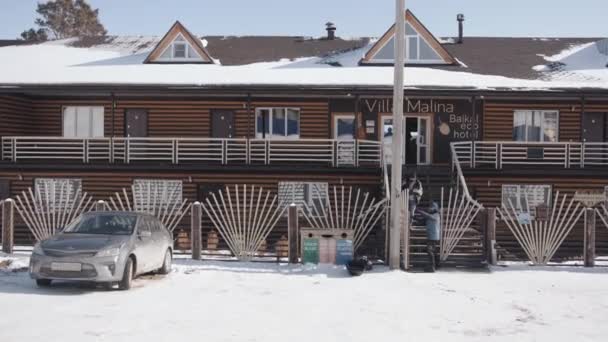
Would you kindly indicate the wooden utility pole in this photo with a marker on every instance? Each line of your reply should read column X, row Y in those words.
column 196, row 231
column 397, row 145
column 589, row 254
column 8, row 225
column 293, row 233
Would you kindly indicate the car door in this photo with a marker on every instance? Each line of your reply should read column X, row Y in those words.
column 143, row 243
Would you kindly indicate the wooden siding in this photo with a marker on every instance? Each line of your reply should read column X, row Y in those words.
column 102, row 185
column 14, row 111
column 488, row 191
column 166, row 117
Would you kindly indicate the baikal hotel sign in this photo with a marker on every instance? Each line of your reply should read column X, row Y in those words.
column 453, row 119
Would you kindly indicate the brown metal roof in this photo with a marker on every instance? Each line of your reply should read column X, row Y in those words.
column 509, row 57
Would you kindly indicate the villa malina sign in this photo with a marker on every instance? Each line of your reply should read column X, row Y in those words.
column 453, row 120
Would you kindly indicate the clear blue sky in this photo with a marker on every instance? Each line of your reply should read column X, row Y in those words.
column 565, row 18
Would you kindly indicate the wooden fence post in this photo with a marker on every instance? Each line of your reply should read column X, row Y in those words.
column 490, row 222
column 293, row 231
column 196, row 231
column 100, row 205
column 589, row 253
column 8, row 225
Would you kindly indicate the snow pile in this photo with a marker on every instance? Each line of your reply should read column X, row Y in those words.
column 234, row 301
column 586, row 62
column 13, row 263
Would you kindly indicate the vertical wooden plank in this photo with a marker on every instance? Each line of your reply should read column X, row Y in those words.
column 293, row 233
column 8, row 222
column 490, row 219
column 589, row 237
column 196, row 233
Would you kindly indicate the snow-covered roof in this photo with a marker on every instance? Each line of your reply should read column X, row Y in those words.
column 309, row 62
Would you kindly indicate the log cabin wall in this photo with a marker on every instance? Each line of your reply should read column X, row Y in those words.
column 168, row 117
column 488, row 191
column 14, row 111
column 498, row 117
column 101, row 185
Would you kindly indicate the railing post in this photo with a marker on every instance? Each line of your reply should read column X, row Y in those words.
column 248, row 151
column 14, row 143
column 567, row 155
column 196, row 230
column 490, row 224
column 583, row 155
column 85, row 154
column 8, row 225
column 357, row 147
column 498, row 156
column 111, row 150
column 473, row 145
column 127, row 147
column 334, row 156
column 589, row 253
column 224, row 152
column 293, row 232
column 175, row 151
column 267, row 146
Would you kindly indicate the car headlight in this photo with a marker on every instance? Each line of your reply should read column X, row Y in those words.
column 37, row 249
column 110, row 252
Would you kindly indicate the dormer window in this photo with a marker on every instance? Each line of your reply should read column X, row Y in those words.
column 421, row 47
column 179, row 46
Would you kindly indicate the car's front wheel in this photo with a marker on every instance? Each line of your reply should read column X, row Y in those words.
column 127, row 276
column 166, row 269
column 43, row 282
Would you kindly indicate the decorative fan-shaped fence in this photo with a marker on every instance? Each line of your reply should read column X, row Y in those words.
column 346, row 209
column 154, row 199
column 244, row 216
column 46, row 211
column 456, row 220
column 540, row 239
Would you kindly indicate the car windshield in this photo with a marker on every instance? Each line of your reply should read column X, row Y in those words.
column 110, row 224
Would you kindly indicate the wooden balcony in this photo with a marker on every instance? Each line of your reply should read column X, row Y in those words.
column 334, row 153
column 509, row 154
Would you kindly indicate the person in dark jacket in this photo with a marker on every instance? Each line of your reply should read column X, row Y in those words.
column 433, row 235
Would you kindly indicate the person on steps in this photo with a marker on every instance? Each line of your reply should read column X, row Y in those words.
column 433, row 235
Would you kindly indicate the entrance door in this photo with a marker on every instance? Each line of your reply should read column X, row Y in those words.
column 594, row 127
column 344, row 133
column 136, row 123
column 222, row 124
column 416, row 149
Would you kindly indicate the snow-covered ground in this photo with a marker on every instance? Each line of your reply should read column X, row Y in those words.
column 229, row 301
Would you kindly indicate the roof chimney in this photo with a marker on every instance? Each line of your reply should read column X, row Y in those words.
column 331, row 31
column 460, row 18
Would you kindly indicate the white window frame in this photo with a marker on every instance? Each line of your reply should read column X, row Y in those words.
column 91, row 111
column 153, row 184
column 542, row 123
column 53, row 185
column 188, row 47
column 337, row 117
column 271, row 110
column 521, row 207
column 418, row 60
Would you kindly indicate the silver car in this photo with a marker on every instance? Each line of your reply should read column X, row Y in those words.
column 108, row 247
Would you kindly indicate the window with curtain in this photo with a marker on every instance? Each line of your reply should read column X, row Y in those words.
column 536, row 126
column 277, row 123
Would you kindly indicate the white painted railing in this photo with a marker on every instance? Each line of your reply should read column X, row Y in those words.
column 338, row 153
column 501, row 154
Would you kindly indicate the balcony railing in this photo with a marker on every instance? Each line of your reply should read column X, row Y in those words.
column 337, row 153
column 504, row 154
